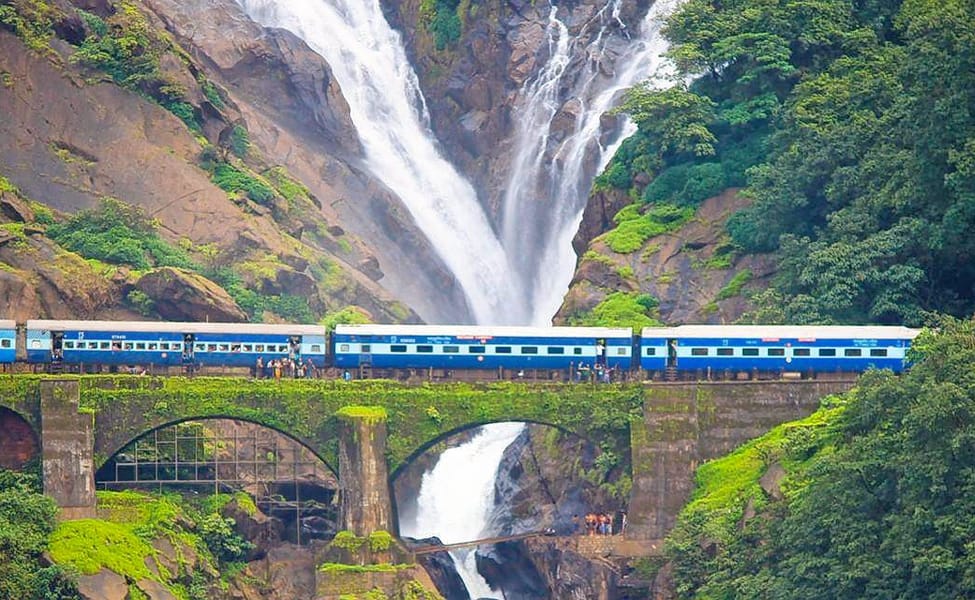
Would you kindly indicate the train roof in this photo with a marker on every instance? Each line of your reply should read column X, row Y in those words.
column 877, row 332
column 175, row 326
column 484, row 331
column 8, row 324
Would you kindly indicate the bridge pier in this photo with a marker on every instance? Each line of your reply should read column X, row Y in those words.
column 363, row 475
column 686, row 424
column 67, row 440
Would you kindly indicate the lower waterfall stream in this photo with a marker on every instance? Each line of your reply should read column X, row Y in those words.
column 456, row 498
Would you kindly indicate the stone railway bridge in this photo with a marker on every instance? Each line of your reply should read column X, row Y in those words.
column 75, row 424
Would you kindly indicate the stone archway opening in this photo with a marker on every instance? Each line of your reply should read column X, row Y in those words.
column 547, row 480
column 289, row 484
column 19, row 445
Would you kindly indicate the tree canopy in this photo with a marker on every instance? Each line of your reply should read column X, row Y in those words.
column 877, row 504
column 851, row 124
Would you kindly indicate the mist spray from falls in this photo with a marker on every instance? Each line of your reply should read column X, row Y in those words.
column 389, row 112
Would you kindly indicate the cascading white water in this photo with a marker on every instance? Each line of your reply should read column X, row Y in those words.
column 542, row 205
column 550, row 177
column 387, row 107
column 469, row 469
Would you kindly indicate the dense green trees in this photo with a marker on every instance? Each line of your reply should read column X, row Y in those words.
column 877, row 505
column 855, row 123
column 26, row 523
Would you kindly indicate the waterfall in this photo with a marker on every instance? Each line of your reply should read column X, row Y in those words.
column 550, row 178
column 387, row 107
column 457, row 496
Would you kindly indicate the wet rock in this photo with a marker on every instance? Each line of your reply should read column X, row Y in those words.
column 13, row 208
column 180, row 295
column 441, row 569
column 103, row 585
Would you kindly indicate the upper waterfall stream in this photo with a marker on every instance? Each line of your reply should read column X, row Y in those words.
column 389, row 112
column 520, row 275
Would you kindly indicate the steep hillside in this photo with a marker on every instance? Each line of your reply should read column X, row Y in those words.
column 236, row 144
column 848, row 125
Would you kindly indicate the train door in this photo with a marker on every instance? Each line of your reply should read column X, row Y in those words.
column 601, row 352
column 188, row 348
column 57, row 347
column 294, row 347
column 672, row 353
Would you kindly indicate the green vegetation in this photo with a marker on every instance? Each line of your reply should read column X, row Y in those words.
column 376, row 568
column 369, row 414
column 31, row 20
column 380, row 541
column 442, row 19
column 876, row 501
column 122, row 541
column 350, row 315
column 734, row 286
column 621, row 309
column 849, row 124
column 118, row 233
column 26, row 523
column 240, row 141
column 127, row 48
column 634, row 226
column 232, row 179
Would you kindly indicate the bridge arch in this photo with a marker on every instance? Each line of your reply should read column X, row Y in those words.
column 106, row 454
column 19, row 442
column 447, row 434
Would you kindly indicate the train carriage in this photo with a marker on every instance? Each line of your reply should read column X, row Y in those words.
column 170, row 343
column 776, row 348
column 478, row 347
column 8, row 341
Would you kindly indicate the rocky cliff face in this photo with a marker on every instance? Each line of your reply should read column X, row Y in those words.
column 71, row 136
column 473, row 86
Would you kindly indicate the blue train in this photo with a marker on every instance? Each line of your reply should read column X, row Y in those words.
column 684, row 351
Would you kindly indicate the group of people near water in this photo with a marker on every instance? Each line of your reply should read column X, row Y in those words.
column 599, row 524
column 284, row 367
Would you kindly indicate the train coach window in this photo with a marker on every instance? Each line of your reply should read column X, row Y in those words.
column 475, row 349
column 776, row 351
column 316, row 348
column 201, row 347
column 651, row 352
column 451, row 349
column 726, row 351
column 801, row 352
column 67, row 345
column 152, row 346
column 878, row 352
column 248, row 347
column 749, row 351
column 366, row 348
column 140, row 345
column 223, row 347
column 555, row 350
column 577, row 350
column 621, row 351
column 127, row 346
column 211, row 347
column 502, row 350
column 165, row 346
column 97, row 345
column 529, row 350
column 258, row 347
column 827, row 351
column 397, row 348
column 699, row 351
column 425, row 349
column 853, row 352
